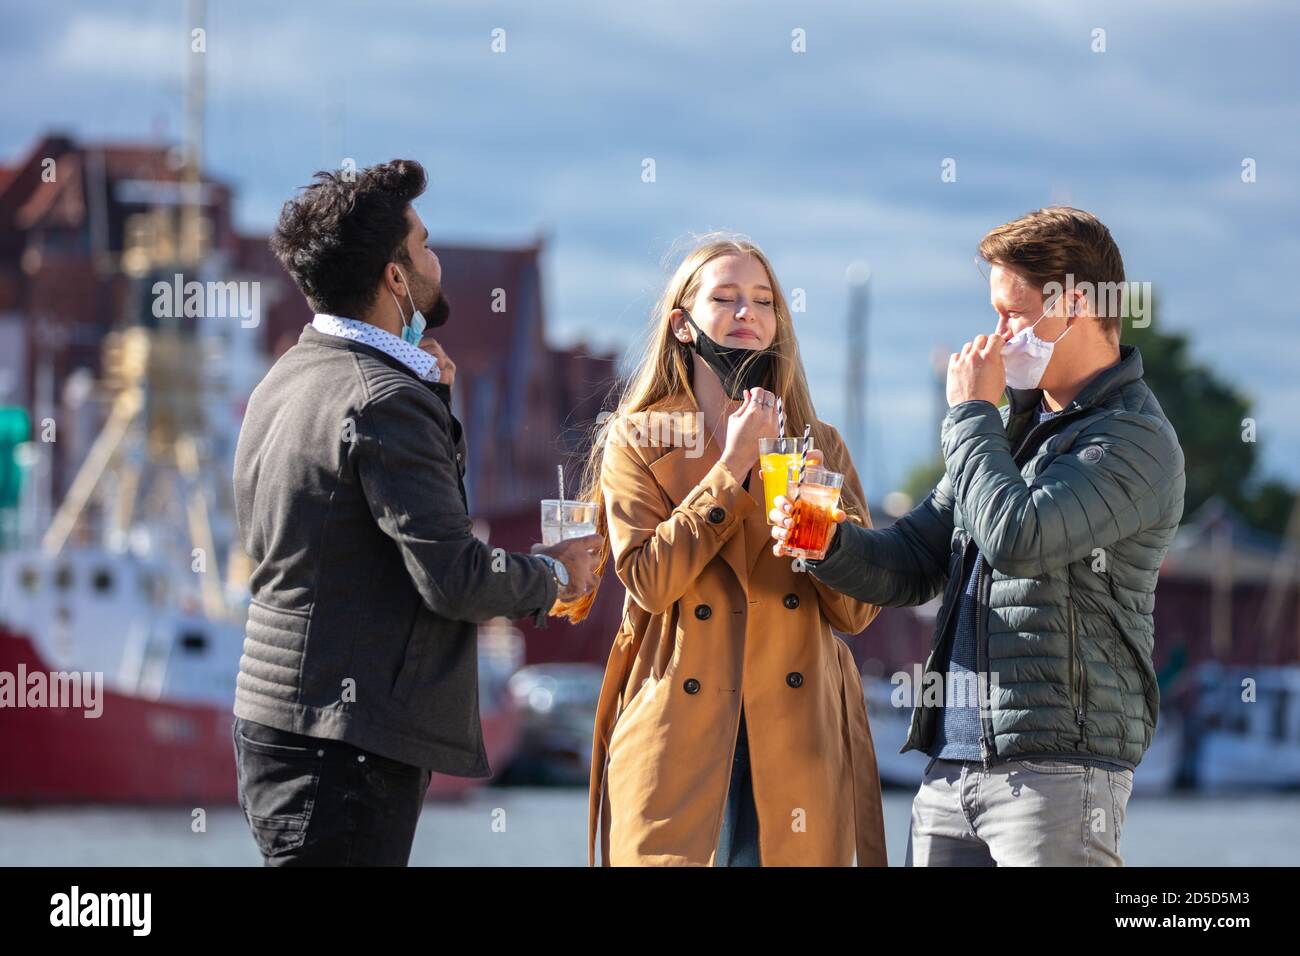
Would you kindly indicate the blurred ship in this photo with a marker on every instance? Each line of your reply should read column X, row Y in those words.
column 135, row 580
column 138, row 582
column 117, row 545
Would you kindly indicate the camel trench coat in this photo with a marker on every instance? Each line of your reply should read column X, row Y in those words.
column 713, row 617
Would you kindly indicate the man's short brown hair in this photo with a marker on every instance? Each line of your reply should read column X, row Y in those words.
column 1049, row 244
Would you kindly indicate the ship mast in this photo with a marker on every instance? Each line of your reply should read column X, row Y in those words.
column 148, row 449
column 192, row 223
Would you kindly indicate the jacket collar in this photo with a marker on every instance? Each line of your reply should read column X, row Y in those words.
column 311, row 337
column 314, row 336
column 1109, row 380
column 415, row 358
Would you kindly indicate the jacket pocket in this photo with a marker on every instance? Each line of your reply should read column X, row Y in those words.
column 417, row 651
column 630, row 719
column 1150, row 690
column 1048, row 765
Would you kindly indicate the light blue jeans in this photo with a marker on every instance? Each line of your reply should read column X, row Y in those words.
column 1018, row 813
column 738, row 839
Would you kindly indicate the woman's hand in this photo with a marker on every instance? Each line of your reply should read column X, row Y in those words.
column 753, row 420
column 782, row 507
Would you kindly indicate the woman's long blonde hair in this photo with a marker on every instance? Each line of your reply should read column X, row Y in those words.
column 665, row 372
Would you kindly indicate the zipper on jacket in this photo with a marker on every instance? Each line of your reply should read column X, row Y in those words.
column 942, row 631
column 983, row 588
column 1081, row 706
column 1074, row 680
column 961, row 577
column 1065, row 415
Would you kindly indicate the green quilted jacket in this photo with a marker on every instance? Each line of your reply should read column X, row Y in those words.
column 1070, row 520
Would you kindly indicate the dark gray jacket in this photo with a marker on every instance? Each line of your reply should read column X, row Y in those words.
column 367, row 581
column 1071, row 519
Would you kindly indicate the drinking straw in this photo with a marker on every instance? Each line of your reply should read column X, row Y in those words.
column 803, row 455
column 780, row 418
column 559, row 471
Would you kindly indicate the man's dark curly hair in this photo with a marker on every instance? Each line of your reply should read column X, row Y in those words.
column 337, row 235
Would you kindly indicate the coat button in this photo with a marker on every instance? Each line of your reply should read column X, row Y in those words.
column 703, row 612
column 692, row 686
column 794, row 679
column 791, row 601
column 717, row 514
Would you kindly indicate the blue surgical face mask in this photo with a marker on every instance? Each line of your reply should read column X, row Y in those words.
column 413, row 331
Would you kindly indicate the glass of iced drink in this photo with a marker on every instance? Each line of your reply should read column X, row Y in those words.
column 562, row 520
column 775, row 458
column 813, row 501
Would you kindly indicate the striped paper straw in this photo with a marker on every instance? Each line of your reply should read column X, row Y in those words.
column 780, row 419
column 803, row 455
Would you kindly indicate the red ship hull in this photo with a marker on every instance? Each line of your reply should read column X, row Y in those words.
column 147, row 751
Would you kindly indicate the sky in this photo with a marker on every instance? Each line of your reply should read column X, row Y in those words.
column 824, row 157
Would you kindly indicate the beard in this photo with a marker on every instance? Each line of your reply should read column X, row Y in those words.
column 438, row 311
column 426, row 295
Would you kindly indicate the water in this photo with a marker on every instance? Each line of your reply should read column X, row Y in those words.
column 548, row 827
column 564, row 519
column 553, row 532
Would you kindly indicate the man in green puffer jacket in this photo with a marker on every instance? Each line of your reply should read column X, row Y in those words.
column 1045, row 536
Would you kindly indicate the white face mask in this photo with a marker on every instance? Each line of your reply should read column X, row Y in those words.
column 1025, row 355
column 413, row 332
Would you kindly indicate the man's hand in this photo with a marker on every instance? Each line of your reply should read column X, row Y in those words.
column 977, row 372
column 579, row 556
column 783, row 507
column 779, row 517
column 446, row 367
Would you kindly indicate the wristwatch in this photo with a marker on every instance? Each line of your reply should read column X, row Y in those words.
column 558, row 570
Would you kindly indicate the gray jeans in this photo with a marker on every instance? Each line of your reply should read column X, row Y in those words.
column 1018, row 813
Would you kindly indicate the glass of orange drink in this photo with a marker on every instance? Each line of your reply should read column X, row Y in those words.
column 812, row 517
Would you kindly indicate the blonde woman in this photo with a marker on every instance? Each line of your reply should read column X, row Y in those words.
column 731, row 727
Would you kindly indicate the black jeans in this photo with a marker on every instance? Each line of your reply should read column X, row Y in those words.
column 316, row 802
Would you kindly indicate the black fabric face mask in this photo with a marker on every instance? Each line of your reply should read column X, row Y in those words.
column 737, row 369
